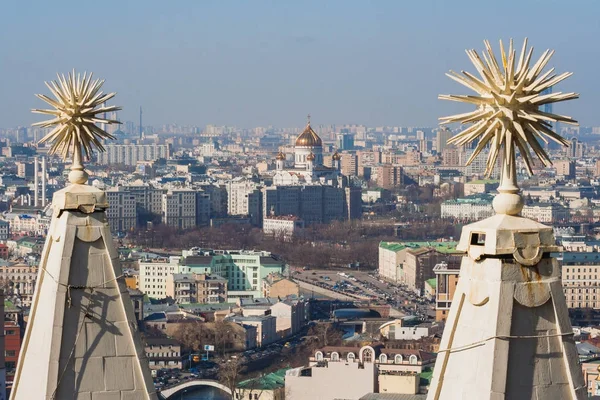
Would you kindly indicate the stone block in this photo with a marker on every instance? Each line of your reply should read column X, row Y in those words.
column 100, row 337
column 83, row 396
column 106, row 395
column 118, row 373
column 124, row 344
column 88, row 374
column 135, row 395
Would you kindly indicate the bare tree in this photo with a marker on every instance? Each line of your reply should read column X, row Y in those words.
column 230, row 374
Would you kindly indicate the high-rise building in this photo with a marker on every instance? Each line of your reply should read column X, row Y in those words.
column 130, row 154
column 349, row 164
column 388, row 176
column 345, row 141
column 121, row 213
column 441, row 139
column 179, row 208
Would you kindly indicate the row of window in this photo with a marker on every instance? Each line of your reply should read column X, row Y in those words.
column 367, row 357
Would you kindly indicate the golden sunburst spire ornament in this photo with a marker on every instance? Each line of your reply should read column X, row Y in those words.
column 508, row 115
column 77, row 103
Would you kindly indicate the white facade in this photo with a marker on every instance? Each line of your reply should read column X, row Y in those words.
column 467, row 210
column 130, row 154
column 285, row 226
column 238, row 196
column 389, row 261
column 301, row 154
column 546, row 212
column 153, row 276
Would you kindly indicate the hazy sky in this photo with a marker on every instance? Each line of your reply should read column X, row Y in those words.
column 255, row 63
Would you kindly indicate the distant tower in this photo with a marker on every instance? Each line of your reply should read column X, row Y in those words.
column 36, row 183
column 103, row 124
column 280, row 161
column 141, row 126
column 310, row 162
column 44, row 181
column 336, row 158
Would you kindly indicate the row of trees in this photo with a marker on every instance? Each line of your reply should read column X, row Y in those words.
column 336, row 244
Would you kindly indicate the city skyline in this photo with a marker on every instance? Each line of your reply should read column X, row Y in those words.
column 270, row 64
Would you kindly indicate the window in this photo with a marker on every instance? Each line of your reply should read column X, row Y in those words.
column 398, row 359
column 413, row 359
column 335, row 356
column 319, row 356
column 350, row 357
column 383, row 359
column 367, row 355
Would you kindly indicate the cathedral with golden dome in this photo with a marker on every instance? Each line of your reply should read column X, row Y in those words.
column 308, row 163
column 306, row 144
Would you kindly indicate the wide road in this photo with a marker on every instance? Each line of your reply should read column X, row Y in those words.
column 361, row 283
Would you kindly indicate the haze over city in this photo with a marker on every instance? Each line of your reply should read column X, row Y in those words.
column 276, row 205
column 252, row 64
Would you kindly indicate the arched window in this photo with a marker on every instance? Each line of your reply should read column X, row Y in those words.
column 350, row 357
column 412, row 359
column 319, row 356
column 335, row 356
column 383, row 359
column 367, row 355
column 398, row 359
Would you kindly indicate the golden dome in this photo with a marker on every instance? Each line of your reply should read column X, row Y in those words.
column 310, row 157
column 336, row 156
column 280, row 156
column 309, row 138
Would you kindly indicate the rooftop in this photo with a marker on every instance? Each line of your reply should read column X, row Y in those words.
column 274, row 380
column 442, row 247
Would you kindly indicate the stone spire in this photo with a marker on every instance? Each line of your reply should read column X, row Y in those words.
column 508, row 334
column 82, row 340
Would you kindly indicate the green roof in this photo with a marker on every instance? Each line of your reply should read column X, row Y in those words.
column 426, row 376
column 432, row 282
column 393, row 246
column 442, row 247
column 272, row 381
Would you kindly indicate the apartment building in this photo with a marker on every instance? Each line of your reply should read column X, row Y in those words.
column 275, row 285
column 243, row 270
column 122, row 210
column 545, row 212
column 21, row 279
column 153, row 275
column 163, row 353
column 412, row 263
column 314, row 203
column 179, row 208
column 131, row 154
column 471, row 208
column 266, row 327
column 282, row 226
column 196, row 288
column 337, row 372
column 581, row 279
column 446, row 275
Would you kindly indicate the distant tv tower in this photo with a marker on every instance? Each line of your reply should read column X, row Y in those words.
column 141, row 126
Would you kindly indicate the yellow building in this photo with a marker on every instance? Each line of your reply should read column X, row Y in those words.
column 276, row 285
